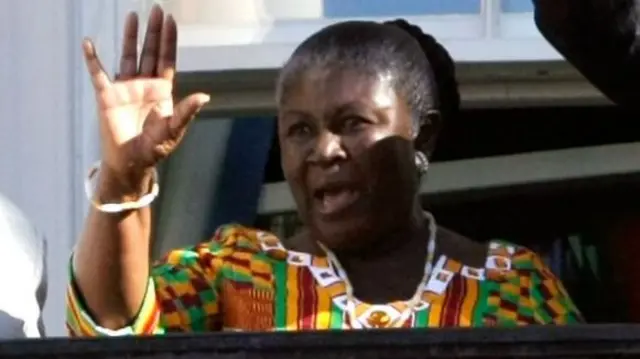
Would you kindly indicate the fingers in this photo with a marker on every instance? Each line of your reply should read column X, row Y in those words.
column 99, row 77
column 151, row 46
column 168, row 49
column 129, row 58
column 186, row 110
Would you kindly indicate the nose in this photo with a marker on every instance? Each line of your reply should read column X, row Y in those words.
column 328, row 149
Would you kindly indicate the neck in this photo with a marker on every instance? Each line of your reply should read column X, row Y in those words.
column 398, row 239
column 401, row 253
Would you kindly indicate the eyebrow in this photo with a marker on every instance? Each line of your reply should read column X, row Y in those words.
column 345, row 107
column 336, row 111
column 296, row 112
column 360, row 106
column 286, row 116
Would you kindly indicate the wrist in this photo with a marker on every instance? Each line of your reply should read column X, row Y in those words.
column 113, row 187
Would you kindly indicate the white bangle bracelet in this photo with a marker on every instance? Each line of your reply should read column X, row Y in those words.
column 144, row 201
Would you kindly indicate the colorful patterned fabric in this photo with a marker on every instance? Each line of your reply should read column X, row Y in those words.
column 244, row 279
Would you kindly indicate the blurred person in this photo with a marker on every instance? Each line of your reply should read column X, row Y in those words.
column 360, row 105
column 24, row 275
column 600, row 38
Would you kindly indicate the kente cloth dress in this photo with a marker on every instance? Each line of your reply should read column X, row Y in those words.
column 245, row 280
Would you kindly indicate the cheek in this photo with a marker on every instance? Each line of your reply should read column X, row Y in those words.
column 292, row 162
column 373, row 150
column 361, row 146
column 390, row 164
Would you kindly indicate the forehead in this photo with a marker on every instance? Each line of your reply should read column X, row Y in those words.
column 320, row 88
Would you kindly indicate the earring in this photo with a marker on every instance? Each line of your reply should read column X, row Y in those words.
column 422, row 162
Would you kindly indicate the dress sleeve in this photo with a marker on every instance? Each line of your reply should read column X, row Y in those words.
column 600, row 39
column 182, row 294
column 551, row 301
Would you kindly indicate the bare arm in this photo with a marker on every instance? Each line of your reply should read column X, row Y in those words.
column 600, row 38
column 139, row 126
column 112, row 257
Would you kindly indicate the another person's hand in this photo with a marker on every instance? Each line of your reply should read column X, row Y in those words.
column 139, row 124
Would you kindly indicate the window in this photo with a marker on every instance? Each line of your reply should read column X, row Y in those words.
column 514, row 6
column 374, row 8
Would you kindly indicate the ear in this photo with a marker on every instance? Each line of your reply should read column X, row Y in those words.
column 428, row 132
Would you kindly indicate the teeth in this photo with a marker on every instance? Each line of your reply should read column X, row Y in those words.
column 336, row 198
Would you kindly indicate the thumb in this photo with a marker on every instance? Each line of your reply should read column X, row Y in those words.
column 186, row 110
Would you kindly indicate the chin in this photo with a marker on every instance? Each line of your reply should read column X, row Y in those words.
column 346, row 233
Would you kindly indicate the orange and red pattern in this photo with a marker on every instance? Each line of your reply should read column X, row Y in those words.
column 244, row 279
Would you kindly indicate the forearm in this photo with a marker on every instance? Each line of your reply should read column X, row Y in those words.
column 111, row 259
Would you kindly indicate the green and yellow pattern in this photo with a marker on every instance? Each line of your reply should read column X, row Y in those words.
column 244, row 279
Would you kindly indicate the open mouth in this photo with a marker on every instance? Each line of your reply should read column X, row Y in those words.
column 335, row 199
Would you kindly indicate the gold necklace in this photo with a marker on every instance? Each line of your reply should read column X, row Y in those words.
column 411, row 304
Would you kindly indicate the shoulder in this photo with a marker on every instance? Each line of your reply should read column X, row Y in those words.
column 231, row 240
column 515, row 263
column 506, row 255
column 532, row 291
column 14, row 223
column 22, row 260
column 20, row 241
column 528, row 266
column 237, row 238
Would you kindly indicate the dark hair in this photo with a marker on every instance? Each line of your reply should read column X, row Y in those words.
column 421, row 68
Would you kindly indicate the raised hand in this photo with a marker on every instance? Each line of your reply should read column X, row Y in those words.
column 139, row 124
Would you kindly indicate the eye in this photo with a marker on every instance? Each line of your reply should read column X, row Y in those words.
column 354, row 123
column 299, row 129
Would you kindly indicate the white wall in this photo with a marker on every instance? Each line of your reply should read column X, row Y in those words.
column 47, row 122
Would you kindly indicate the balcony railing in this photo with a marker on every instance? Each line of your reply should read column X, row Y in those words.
column 586, row 341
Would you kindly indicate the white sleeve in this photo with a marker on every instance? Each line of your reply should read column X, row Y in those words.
column 23, row 275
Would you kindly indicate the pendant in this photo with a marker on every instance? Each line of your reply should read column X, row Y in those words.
column 379, row 316
column 378, row 319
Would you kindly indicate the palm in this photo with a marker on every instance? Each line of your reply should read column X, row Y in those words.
column 128, row 104
column 138, row 122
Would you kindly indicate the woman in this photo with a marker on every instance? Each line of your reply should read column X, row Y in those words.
column 359, row 108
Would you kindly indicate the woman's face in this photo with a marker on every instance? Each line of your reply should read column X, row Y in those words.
column 347, row 154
